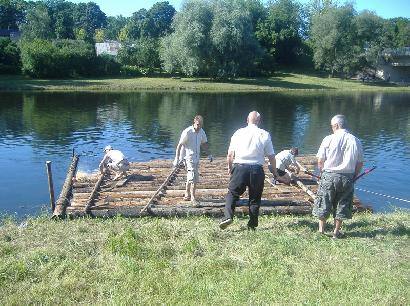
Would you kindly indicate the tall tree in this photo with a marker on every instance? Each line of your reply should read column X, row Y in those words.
column 281, row 32
column 11, row 13
column 334, row 40
column 114, row 26
column 38, row 23
column 212, row 38
column 89, row 17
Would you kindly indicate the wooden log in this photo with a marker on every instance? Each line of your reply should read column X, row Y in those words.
column 63, row 201
column 305, row 189
column 50, row 185
column 91, row 198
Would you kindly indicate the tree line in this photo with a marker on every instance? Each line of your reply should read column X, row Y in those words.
column 214, row 38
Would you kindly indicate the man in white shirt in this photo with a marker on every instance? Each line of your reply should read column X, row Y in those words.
column 246, row 156
column 114, row 160
column 340, row 158
column 191, row 141
column 286, row 164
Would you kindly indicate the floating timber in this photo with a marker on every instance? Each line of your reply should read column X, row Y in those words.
column 156, row 188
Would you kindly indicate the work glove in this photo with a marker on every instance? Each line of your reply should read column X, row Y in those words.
column 210, row 158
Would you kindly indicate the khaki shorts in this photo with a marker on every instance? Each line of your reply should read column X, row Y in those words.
column 335, row 195
column 122, row 166
column 192, row 175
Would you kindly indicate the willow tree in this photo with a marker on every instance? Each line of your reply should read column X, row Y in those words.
column 214, row 38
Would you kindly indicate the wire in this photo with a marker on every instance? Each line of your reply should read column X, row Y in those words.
column 383, row 195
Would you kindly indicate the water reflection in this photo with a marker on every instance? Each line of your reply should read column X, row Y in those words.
column 35, row 127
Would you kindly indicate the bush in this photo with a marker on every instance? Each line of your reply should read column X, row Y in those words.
column 60, row 58
column 107, row 65
column 9, row 57
column 128, row 70
column 142, row 53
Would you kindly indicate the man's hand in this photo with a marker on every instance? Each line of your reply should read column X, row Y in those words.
column 210, row 158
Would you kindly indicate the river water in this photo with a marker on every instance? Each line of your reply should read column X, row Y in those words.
column 36, row 127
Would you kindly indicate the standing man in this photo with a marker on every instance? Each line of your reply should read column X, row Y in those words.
column 246, row 156
column 192, row 138
column 115, row 161
column 340, row 159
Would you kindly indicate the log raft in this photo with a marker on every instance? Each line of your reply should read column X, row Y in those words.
column 155, row 188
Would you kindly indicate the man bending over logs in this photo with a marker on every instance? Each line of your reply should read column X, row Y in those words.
column 115, row 161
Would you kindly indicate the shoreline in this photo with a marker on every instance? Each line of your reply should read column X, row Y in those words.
column 279, row 82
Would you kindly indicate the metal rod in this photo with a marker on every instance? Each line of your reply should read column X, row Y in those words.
column 50, row 185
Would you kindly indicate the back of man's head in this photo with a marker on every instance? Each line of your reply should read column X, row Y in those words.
column 340, row 120
column 254, row 118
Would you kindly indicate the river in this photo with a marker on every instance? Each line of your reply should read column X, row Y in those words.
column 36, row 127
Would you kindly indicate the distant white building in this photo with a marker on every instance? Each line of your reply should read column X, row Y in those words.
column 13, row 34
column 109, row 47
column 395, row 66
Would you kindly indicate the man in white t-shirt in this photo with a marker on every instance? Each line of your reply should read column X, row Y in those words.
column 192, row 139
column 115, row 161
column 340, row 158
column 246, row 156
column 286, row 164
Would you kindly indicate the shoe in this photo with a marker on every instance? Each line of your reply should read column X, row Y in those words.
column 187, row 198
column 225, row 223
column 338, row 235
column 251, row 228
column 195, row 203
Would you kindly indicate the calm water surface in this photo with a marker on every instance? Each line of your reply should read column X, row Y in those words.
column 35, row 127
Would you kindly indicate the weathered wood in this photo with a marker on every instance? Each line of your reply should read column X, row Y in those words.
column 305, row 189
column 63, row 199
column 50, row 185
column 91, row 198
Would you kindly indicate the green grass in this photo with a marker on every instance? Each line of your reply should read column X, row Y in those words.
column 280, row 81
column 190, row 261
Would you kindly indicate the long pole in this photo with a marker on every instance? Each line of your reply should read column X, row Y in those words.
column 50, row 185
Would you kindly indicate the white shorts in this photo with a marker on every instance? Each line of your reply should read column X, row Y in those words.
column 192, row 175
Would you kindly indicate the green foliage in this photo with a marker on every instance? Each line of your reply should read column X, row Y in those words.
column 11, row 13
column 38, row 23
column 212, row 38
column 142, row 53
column 281, row 31
column 334, row 40
column 114, row 26
column 9, row 57
column 65, row 58
column 89, row 17
column 99, row 36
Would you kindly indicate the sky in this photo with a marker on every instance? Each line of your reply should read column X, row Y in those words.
column 383, row 8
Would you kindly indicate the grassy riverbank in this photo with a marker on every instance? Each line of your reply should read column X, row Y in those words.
column 191, row 261
column 278, row 82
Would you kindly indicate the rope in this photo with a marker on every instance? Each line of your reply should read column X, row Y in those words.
column 383, row 195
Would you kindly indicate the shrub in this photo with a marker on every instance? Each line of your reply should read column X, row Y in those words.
column 9, row 57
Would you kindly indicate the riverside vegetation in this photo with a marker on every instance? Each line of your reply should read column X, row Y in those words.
column 191, row 261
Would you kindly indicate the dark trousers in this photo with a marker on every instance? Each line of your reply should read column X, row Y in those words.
column 242, row 176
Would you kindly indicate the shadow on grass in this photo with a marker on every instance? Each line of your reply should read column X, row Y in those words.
column 274, row 81
column 358, row 229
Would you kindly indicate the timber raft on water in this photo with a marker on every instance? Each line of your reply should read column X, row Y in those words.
column 155, row 188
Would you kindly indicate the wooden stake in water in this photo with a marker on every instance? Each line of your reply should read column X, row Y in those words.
column 50, row 185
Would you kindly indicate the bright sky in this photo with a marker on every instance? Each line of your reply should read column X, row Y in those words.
column 383, row 8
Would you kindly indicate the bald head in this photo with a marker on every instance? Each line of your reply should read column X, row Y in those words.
column 254, row 118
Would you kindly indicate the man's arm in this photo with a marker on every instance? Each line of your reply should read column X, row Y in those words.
column 103, row 162
column 358, row 168
column 320, row 164
column 272, row 162
column 205, row 147
column 177, row 153
column 229, row 158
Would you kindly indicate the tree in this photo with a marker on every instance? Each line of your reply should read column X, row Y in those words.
column 38, row 23
column 142, row 53
column 280, row 33
column 89, row 17
column 334, row 40
column 11, row 13
column 61, row 14
column 212, row 38
column 114, row 26
column 9, row 56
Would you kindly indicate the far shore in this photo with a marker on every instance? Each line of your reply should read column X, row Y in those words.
column 279, row 82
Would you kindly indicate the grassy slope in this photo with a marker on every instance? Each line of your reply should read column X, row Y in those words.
column 191, row 261
column 278, row 82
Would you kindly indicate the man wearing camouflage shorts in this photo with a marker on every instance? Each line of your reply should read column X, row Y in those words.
column 340, row 159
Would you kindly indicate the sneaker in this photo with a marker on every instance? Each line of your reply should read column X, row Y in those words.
column 225, row 223
column 195, row 203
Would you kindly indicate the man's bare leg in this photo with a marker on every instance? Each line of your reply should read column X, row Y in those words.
column 193, row 189
column 322, row 225
column 285, row 179
column 187, row 191
column 338, row 226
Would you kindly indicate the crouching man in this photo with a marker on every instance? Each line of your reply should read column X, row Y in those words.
column 115, row 161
